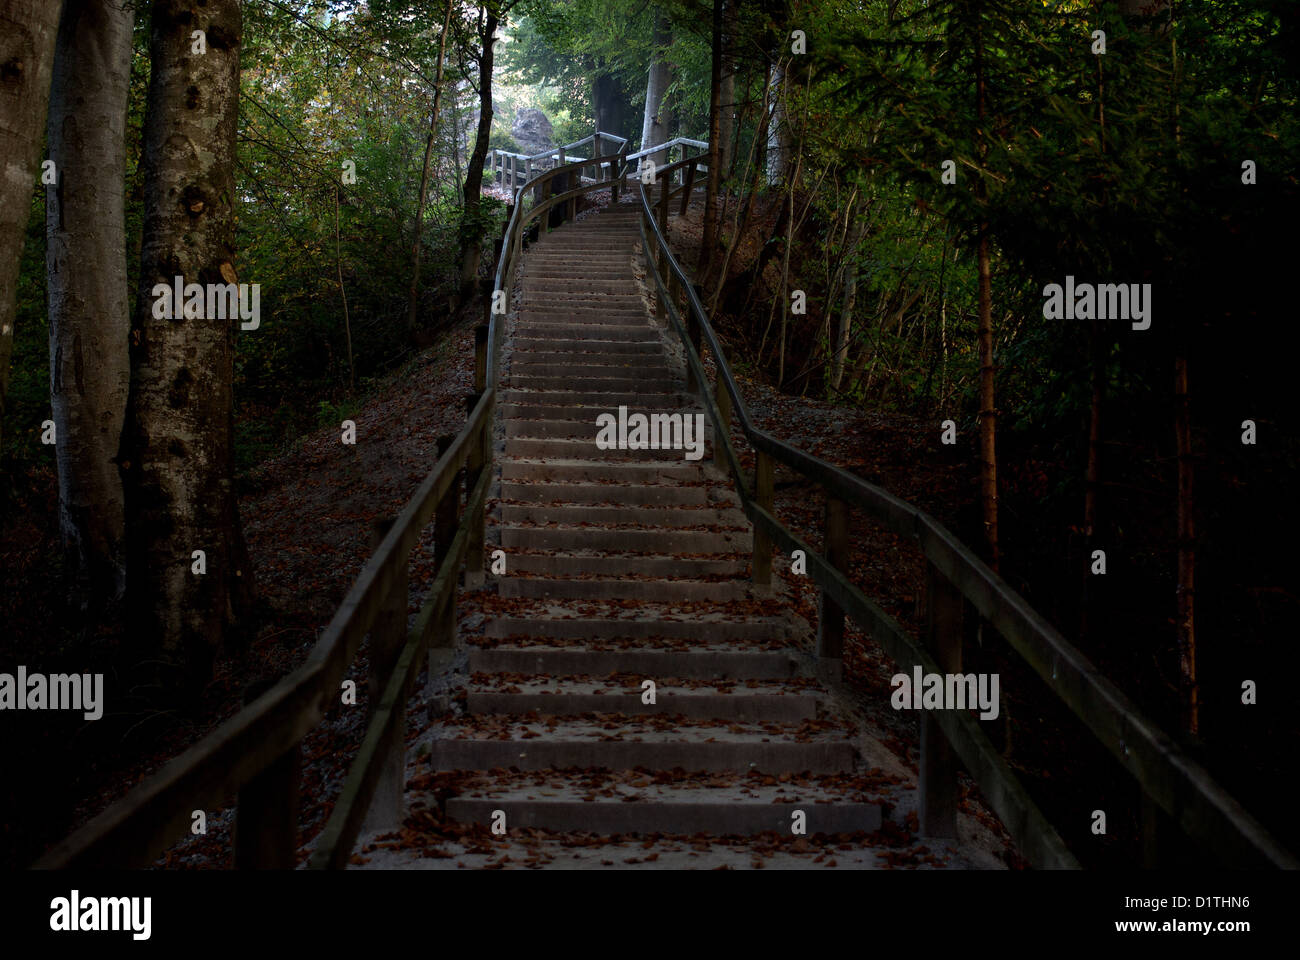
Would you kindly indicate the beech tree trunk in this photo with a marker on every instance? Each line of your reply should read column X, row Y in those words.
column 1186, row 591
column 987, row 410
column 654, row 126
column 86, row 274
column 413, row 295
column 780, row 143
column 727, row 91
column 840, row 342
column 27, row 32
column 177, row 446
column 709, row 238
column 609, row 104
column 471, row 232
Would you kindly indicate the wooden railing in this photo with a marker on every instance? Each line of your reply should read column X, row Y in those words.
column 512, row 169
column 1170, row 779
column 256, row 754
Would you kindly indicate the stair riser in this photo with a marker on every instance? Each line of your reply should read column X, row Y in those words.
column 789, row 708
column 663, row 542
column 719, row 818
column 682, row 518
column 660, row 591
column 737, row 631
column 640, row 495
column 555, row 346
column 601, row 472
column 701, row 665
column 720, row 757
column 593, row 385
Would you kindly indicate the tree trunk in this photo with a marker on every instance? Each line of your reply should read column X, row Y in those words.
column 88, row 302
column 177, row 445
column 609, row 104
column 987, row 409
column 654, row 126
column 709, row 238
column 413, row 297
column 471, row 230
column 27, row 32
column 1188, row 688
column 1092, row 472
column 727, row 92
column 780, row 142
column 840, row 342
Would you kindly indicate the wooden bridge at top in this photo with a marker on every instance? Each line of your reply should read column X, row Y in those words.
column 583, row 529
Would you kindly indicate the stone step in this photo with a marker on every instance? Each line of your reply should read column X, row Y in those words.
column 586, row 427
column 539, row 256
column 582, row 413
column 590, row 237
column 629, row 333
column 563, row 294
column 702, row 631
column 640, row 494
column 714, row 661
column 678, row 518
column 578, row 564
column 610, row 270
column 601, row 365
column 555, row 346
column 612, row 289
column 688, row 813
column 574, row 696
column 628, row 540
column 613, row 386
column 622, row 588
column 691, row 747
column 601, row 471
column 586, row 449
column 592, row 311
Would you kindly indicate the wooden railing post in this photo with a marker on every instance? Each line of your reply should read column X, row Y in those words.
column 937, row 795
column 480, row 357
column 614, row 177
column 764, row 496
column 696, row 335
column 661, row 296
column 688, row 181
column 387, row 637
column 830, row 616
column 266, row 814
column 723, row 399
column 480, row 452
column 445, row 517
column 664, row 183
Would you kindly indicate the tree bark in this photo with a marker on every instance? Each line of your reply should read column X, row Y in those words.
column 27, row 33
column 413, row 297
column 840, row 342
column 727, row 91
column 1188, row 687
column 88, row 302
column 609, row 104
column 780, row 142
column 471, row 231
column 177, row 449
column 654, row 126
column 987, row 410
column 709, row 238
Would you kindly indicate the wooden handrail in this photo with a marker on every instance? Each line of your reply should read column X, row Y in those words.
column 1182, row 787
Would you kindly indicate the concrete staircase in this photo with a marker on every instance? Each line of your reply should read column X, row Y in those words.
column 625, row 567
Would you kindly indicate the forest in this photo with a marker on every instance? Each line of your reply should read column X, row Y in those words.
column 1040, row 253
